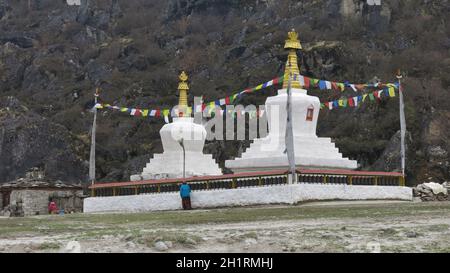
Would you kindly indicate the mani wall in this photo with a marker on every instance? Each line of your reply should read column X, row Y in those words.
column 35, row 201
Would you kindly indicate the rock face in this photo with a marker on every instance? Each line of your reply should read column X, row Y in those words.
column 390, row 160
column 28, row 140
column 53, row 56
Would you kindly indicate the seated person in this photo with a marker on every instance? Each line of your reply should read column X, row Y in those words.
column 52, row 208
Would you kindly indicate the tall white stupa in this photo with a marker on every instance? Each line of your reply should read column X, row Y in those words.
column 181, row 132
column 311, row 152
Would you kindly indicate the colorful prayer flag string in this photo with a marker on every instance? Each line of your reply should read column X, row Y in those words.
column 355, row 101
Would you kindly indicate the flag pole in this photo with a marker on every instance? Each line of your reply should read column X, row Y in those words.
column 402, row 122
column 93, row 132
column 289, row 135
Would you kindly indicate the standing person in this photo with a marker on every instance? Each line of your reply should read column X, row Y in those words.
column 185, row 193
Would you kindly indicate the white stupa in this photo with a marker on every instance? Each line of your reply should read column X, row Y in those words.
column 310, row 151
column 169, row 164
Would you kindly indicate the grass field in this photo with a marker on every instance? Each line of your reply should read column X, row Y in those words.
column 314, row 227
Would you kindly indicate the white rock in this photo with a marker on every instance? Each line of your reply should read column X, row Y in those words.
column 436, row 188
column 169, row 244
column 161, row 246
column 191, row 241
column 135, row 177
column 130, row 245
column 250, row 241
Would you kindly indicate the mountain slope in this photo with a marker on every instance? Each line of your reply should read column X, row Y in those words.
column 54, row 55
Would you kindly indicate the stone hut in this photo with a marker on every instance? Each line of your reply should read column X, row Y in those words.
column 32, row 194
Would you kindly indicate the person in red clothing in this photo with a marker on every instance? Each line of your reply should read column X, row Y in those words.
column 52, row 208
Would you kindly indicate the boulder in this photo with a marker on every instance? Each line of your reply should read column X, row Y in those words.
column 436, row 188
column 169, row 244
column 161, row 246
column 431, row 192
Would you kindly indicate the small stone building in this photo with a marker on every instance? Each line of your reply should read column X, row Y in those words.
column 32, row 194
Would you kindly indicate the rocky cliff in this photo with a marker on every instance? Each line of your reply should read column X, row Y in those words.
column 52, row 56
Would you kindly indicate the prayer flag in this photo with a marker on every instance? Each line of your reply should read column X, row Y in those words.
column 275, row 81
column 391, row 92
column 307, row 82
column 166, row 112
column 334, row 86
column 301, row 80
column 322, row 85
column 350, row 102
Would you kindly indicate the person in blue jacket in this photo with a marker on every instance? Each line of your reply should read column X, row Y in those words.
column 185, row 193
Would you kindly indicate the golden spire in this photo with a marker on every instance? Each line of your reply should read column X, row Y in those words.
column 183, row 87
column 292, row 44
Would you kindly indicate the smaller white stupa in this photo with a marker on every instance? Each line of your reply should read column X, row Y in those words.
column 182, row 132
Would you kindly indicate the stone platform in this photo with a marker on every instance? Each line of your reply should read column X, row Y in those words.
column 277, row 194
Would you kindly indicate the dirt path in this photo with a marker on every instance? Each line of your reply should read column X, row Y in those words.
column 313, row 227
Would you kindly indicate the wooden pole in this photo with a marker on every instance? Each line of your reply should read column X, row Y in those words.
column 289, row 134
column 402, row 123
column 93, row 133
